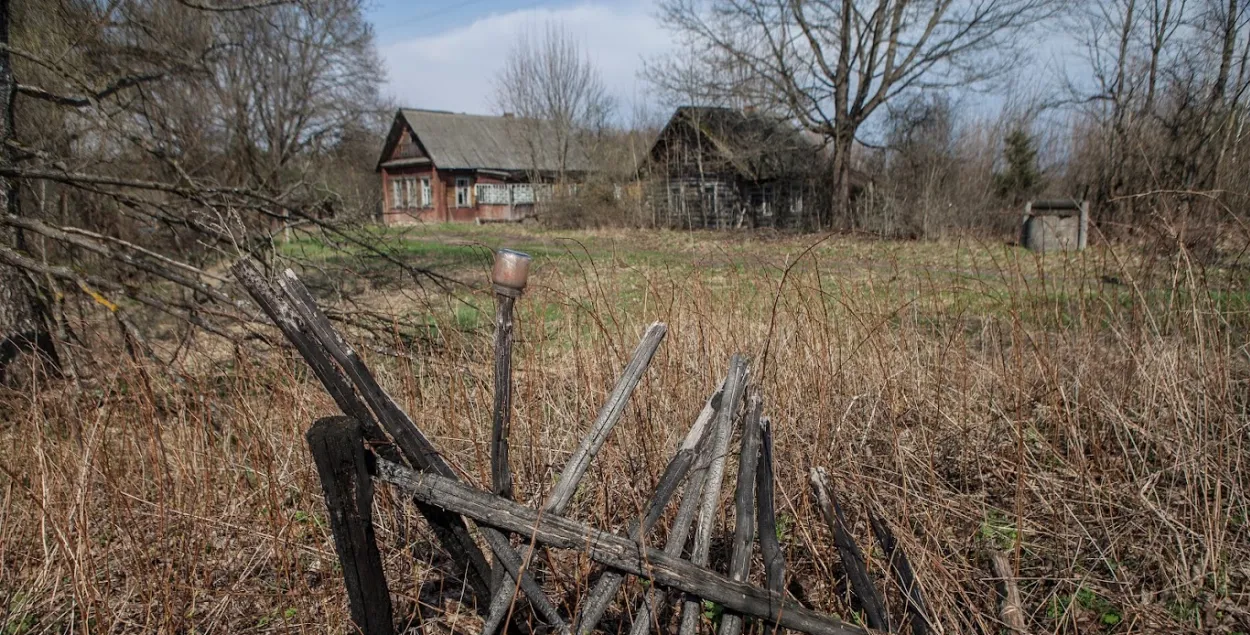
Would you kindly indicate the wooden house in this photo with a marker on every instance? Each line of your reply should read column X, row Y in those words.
column 440, row 166
column 719, row 168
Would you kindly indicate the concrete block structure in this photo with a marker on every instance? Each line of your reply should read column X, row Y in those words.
column 1055, row 225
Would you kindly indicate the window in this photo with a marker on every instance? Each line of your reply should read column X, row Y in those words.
column 492, row 194
column 462, row 192
column 522, row 194
column 427, row 197
column 710, row 199
column 677, row 197
column 404, row 192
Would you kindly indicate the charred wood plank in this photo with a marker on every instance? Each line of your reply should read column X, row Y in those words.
column 617, row 552
column 337, row 445
column 852, row 558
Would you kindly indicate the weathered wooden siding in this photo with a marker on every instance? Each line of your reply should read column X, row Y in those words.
column 691, row 188
column 692, row 185
column 406, row 147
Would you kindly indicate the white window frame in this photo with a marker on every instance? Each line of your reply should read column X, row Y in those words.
column 492, row 194
column 410, row 192
column 396, row 194
column 463, row 188
column 427, row 194
column 522, row 194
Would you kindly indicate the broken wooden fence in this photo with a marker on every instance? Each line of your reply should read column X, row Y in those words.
column 377, row 441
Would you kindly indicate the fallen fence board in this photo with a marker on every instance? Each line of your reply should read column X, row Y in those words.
column 617, row 552
column 852, row 557
column 449, row 529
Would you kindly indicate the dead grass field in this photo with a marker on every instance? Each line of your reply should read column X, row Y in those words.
column 1086, row 413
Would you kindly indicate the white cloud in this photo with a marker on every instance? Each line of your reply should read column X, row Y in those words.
column 454, row 70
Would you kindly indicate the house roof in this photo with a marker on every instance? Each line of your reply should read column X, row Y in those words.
column 759, row 146
column 455, row 141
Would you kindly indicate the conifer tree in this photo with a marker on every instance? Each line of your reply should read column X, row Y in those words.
column 1020, row 178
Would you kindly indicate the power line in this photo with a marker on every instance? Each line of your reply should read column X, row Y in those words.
column 431, row 14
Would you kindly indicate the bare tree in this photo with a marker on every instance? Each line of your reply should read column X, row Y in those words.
column 1109, row 31
column 705, row 76
column 831, row 64
column 1166, row 101
column 302, row 74
column 920, row 138
column 148, row 139
column 22, row 323
column 550, row 82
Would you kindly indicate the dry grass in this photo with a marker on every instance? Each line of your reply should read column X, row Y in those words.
column 982, row 399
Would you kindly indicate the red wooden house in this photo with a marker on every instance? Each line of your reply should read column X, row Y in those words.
column 439, row 166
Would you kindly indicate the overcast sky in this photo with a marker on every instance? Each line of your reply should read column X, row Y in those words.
column 443, row 54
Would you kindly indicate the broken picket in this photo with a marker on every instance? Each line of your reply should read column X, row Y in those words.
column 395, row 451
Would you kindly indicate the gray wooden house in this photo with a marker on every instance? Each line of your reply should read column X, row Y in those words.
column 719, row 168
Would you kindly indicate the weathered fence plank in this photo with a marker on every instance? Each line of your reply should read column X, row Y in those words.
column 600, row 596
column 337, row 445
column 744, row 509
column 770, row 544
column 655, row 599
column 852, row 557
column 501, row 419
column 734, row 387
column 560, row 496
column 904, row 576
column 448, row 528
column 617, row 552
column 500, row 470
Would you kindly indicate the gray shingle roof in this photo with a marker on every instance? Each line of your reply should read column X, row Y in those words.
column 478, row 142
column 757, row 145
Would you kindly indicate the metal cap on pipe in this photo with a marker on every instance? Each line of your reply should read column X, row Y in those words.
column 511, row 270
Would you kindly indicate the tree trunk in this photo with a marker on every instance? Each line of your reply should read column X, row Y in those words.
column 1228, row 41
column 841, row 203
column 21, row 326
